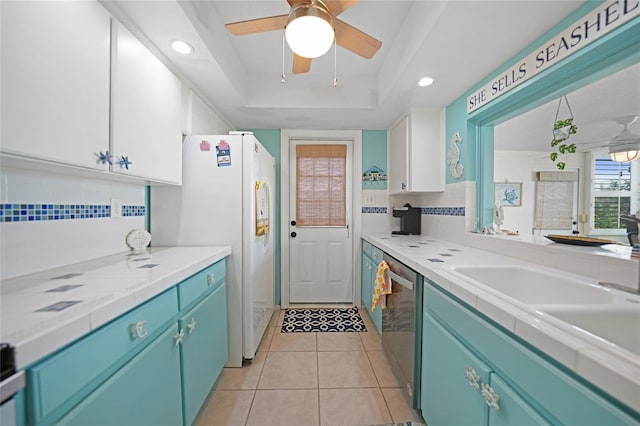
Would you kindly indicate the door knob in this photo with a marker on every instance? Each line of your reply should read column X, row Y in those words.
column 293, row 235
column 293, row 223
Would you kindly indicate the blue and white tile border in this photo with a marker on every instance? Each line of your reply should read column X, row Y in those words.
column 41, row 212
column 443, row 211
column 374, row 210
column 438, row 211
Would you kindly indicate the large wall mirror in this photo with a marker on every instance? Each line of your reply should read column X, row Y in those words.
column 592, row 192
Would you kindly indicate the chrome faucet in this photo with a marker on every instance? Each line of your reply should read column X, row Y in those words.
column 632, row 236
column 635, row 253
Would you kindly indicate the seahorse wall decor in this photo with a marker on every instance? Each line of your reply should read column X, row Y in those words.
column 453, row 158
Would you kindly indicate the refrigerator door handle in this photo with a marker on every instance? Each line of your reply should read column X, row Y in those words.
column 267, row 235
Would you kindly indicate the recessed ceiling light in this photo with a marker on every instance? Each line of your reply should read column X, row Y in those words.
column 425, row 81
column 182, row 47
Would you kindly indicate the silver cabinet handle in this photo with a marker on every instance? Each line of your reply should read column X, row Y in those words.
column 179, row 337
column 192, row 325
column 138, row 331
column 472, row 377
column 490, row 396
column 211, row 279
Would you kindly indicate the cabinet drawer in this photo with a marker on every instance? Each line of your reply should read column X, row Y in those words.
column 70, row 373
column 376, row 255
column 373, row 252
column 197, row 285
column 366, row 247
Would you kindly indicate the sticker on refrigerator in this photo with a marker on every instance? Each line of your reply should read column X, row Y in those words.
column 262, row 209
column 223, row 152
column 205, row 146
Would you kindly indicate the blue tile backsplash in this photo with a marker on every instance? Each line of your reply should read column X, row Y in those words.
column 370, row 210
column 440, row 211
column 443, row 211
column 40, row 212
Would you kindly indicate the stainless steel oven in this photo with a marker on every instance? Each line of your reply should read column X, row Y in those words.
column 402, row 330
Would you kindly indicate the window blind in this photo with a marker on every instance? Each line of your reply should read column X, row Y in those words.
column 321, row 185
column 554, row 199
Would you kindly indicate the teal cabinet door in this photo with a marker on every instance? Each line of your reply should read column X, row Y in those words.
column 204, row 350
column 451, row 379
column 146, row 391
column 365, row 282
column 369, row 270
column 510, row 408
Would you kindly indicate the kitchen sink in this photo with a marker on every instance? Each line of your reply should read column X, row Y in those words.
column 619, row 326
column 533, row 286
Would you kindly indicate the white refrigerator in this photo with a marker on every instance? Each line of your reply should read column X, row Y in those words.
column 227, row 198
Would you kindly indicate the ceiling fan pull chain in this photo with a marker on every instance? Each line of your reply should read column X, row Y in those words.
column 335, row 61
column 283, row 77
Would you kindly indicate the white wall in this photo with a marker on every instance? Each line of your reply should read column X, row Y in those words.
column 199, row 118
column 32, row 246
column 520, row 166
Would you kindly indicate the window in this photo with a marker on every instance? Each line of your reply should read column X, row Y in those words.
column 612, row 193
column 321, row 185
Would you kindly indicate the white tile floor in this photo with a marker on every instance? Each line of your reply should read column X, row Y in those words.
column 309, row 379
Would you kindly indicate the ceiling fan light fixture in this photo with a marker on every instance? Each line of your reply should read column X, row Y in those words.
column 626, row 146
column 309, row 32
column 425, row 81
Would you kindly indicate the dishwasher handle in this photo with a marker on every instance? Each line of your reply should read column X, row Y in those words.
column 400, row 280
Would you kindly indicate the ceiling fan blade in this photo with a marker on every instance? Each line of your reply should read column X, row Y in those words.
column 336, row 7
column 355, row 40
column 259, row 25
column 301, row 64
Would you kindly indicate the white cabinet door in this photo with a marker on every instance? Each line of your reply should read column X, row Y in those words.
column 146, row 112
column 55, row 80
column 398, row 177
column 416, row 152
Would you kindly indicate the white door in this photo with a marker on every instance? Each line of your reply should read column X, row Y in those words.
column 320, row 238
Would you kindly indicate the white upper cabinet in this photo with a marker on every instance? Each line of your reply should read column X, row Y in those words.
column 416, row 145
column 55, row 81
column 146, row 112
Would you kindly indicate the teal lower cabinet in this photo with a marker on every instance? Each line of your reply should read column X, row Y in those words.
column 203, row 350
column 154, row 365
column 476, row 373
column 371, row 257
column 146, row 391
column 460, row 389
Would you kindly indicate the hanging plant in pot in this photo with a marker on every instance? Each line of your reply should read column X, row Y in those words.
column 562, row 129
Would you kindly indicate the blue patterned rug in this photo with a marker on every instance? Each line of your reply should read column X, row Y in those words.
column 322, row 319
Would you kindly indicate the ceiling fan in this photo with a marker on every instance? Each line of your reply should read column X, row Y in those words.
column 623, row 147
column 315, row 18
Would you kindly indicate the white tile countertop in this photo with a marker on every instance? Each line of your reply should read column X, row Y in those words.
column 608, row 366
column 95, row 292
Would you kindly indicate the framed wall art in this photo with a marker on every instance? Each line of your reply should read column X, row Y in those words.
column 508, row 194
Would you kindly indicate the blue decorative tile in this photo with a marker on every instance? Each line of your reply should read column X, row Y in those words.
column 374, row 210
column 443, row 211
column 41, row 212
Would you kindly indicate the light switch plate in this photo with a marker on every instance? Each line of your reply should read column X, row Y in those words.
column 368, row 200
column 116, row 207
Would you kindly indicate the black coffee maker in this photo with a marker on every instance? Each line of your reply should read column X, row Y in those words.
column 409, row 220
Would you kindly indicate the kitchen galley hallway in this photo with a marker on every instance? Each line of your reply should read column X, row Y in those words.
column 307, row 379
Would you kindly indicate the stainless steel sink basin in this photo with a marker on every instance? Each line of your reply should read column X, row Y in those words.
column 619, row 326
column 532, row 286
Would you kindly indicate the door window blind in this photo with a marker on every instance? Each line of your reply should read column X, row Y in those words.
column 321, row 185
